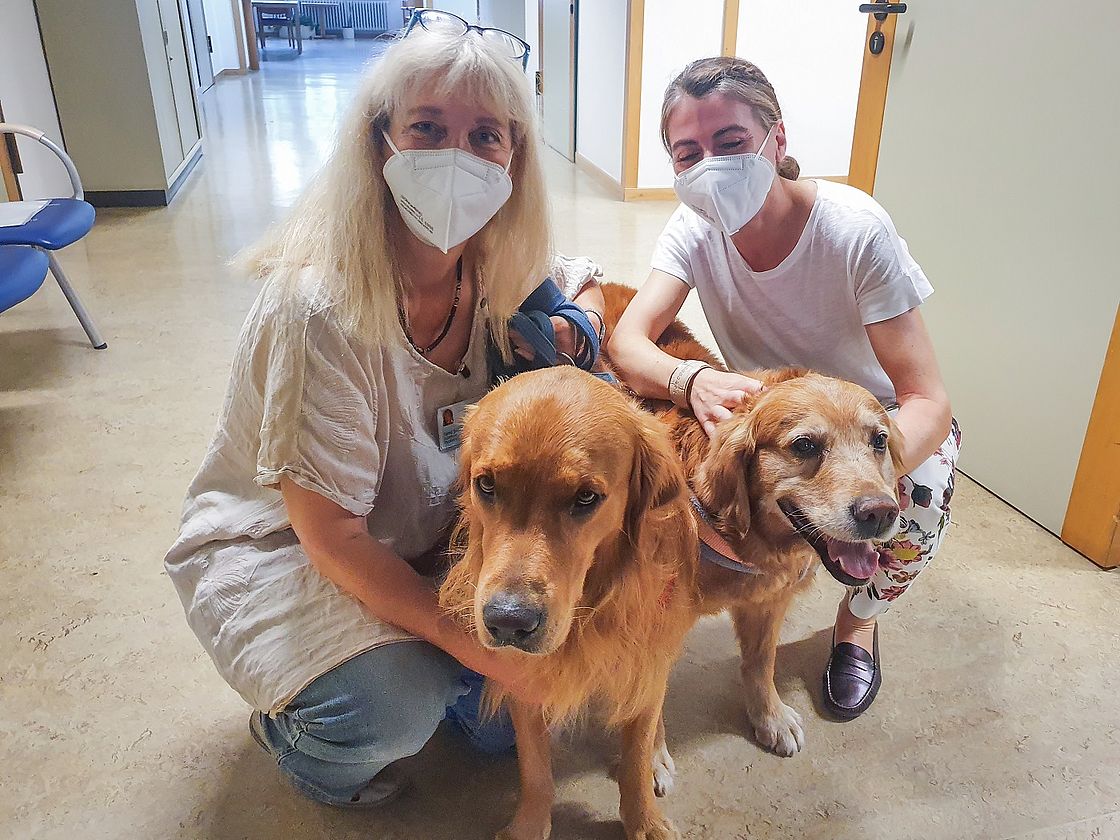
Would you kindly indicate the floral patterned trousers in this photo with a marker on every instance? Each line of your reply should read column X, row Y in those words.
column 924, row 497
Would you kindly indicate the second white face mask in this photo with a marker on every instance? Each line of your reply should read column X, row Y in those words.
column 445, row 196
column 727, row 191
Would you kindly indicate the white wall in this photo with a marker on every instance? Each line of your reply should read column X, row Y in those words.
column 222, row 28
column 672, row 39
column 466, row 9
column 25, row 91
column 504, row 14
column 601, row 83
column 812, row 52
column 533, row 35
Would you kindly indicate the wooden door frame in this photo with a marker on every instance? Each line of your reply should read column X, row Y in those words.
column 11, row 184
column 249, row 22
column 11, row 190
column 1092, row 522
column 870, row 107
column 632, row 93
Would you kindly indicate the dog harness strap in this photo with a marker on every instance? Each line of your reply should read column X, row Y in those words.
column 714, row 548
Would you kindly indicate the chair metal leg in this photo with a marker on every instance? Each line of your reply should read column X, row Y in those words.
column 76, row 304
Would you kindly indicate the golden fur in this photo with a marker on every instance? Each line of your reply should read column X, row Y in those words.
column 620, row 589
column 741, row 477
column 616, row 586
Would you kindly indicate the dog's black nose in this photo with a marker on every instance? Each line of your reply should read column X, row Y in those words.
column 510, row 619
column 874, row 515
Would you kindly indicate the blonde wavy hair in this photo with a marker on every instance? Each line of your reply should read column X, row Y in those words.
column 346, row 223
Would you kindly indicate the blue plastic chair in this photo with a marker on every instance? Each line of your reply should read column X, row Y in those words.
column 61, row 222
column 22, row 272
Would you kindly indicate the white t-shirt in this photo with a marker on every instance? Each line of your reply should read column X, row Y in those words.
column 850, row 268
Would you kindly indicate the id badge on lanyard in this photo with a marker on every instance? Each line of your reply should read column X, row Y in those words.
column 449, row 425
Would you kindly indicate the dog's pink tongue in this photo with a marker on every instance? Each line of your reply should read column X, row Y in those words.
column 859, row 559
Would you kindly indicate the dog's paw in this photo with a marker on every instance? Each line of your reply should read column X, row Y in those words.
column 657, row 828
column 664, row 769
column 781, row 732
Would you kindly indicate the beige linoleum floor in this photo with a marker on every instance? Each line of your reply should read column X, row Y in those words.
column 998, row 716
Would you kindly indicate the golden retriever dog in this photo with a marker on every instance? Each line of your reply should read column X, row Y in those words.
column 578, row 557
column 804, row 471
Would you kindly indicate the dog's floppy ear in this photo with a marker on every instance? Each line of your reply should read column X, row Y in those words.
column 463, row 483
column 656, row 477
column 894, row 446
column 722, row 478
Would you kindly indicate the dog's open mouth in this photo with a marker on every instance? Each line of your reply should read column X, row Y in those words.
column 851, row 563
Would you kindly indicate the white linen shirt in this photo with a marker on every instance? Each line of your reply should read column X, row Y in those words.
column 354, row 423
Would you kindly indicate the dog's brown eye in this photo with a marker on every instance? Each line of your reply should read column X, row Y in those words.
column 879, row 442
column 805, row 447
column 585, row 500
column 485, row 485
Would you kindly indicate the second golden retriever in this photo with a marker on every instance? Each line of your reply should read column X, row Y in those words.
column 804, row 472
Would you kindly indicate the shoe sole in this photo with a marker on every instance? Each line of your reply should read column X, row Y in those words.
column 845, row 713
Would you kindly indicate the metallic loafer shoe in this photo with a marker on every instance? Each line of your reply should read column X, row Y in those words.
column 851, row 679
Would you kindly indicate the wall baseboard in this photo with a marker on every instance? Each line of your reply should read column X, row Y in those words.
column 180, row 175
column 148, row 198
column 127, row 198
column 649, row 194
column 230, row 71
column 600, row 176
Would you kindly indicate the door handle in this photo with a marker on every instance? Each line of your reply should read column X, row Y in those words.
column 881, row 10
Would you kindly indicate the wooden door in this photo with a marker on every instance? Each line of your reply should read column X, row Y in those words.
column 997, row 160
column 558, row 75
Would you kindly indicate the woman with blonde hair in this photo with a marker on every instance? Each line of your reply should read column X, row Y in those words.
column 309, row 527
column 794, row 272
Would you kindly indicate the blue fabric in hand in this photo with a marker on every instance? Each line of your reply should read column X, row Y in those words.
column 533, row 322
column 491, row 734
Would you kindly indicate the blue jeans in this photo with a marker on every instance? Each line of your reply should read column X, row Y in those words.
column 373, row 709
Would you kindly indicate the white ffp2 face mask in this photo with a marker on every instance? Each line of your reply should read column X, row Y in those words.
column 445, row 196
column 727, row 191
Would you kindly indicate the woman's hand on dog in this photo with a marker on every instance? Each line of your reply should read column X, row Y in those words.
column 716, row 394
